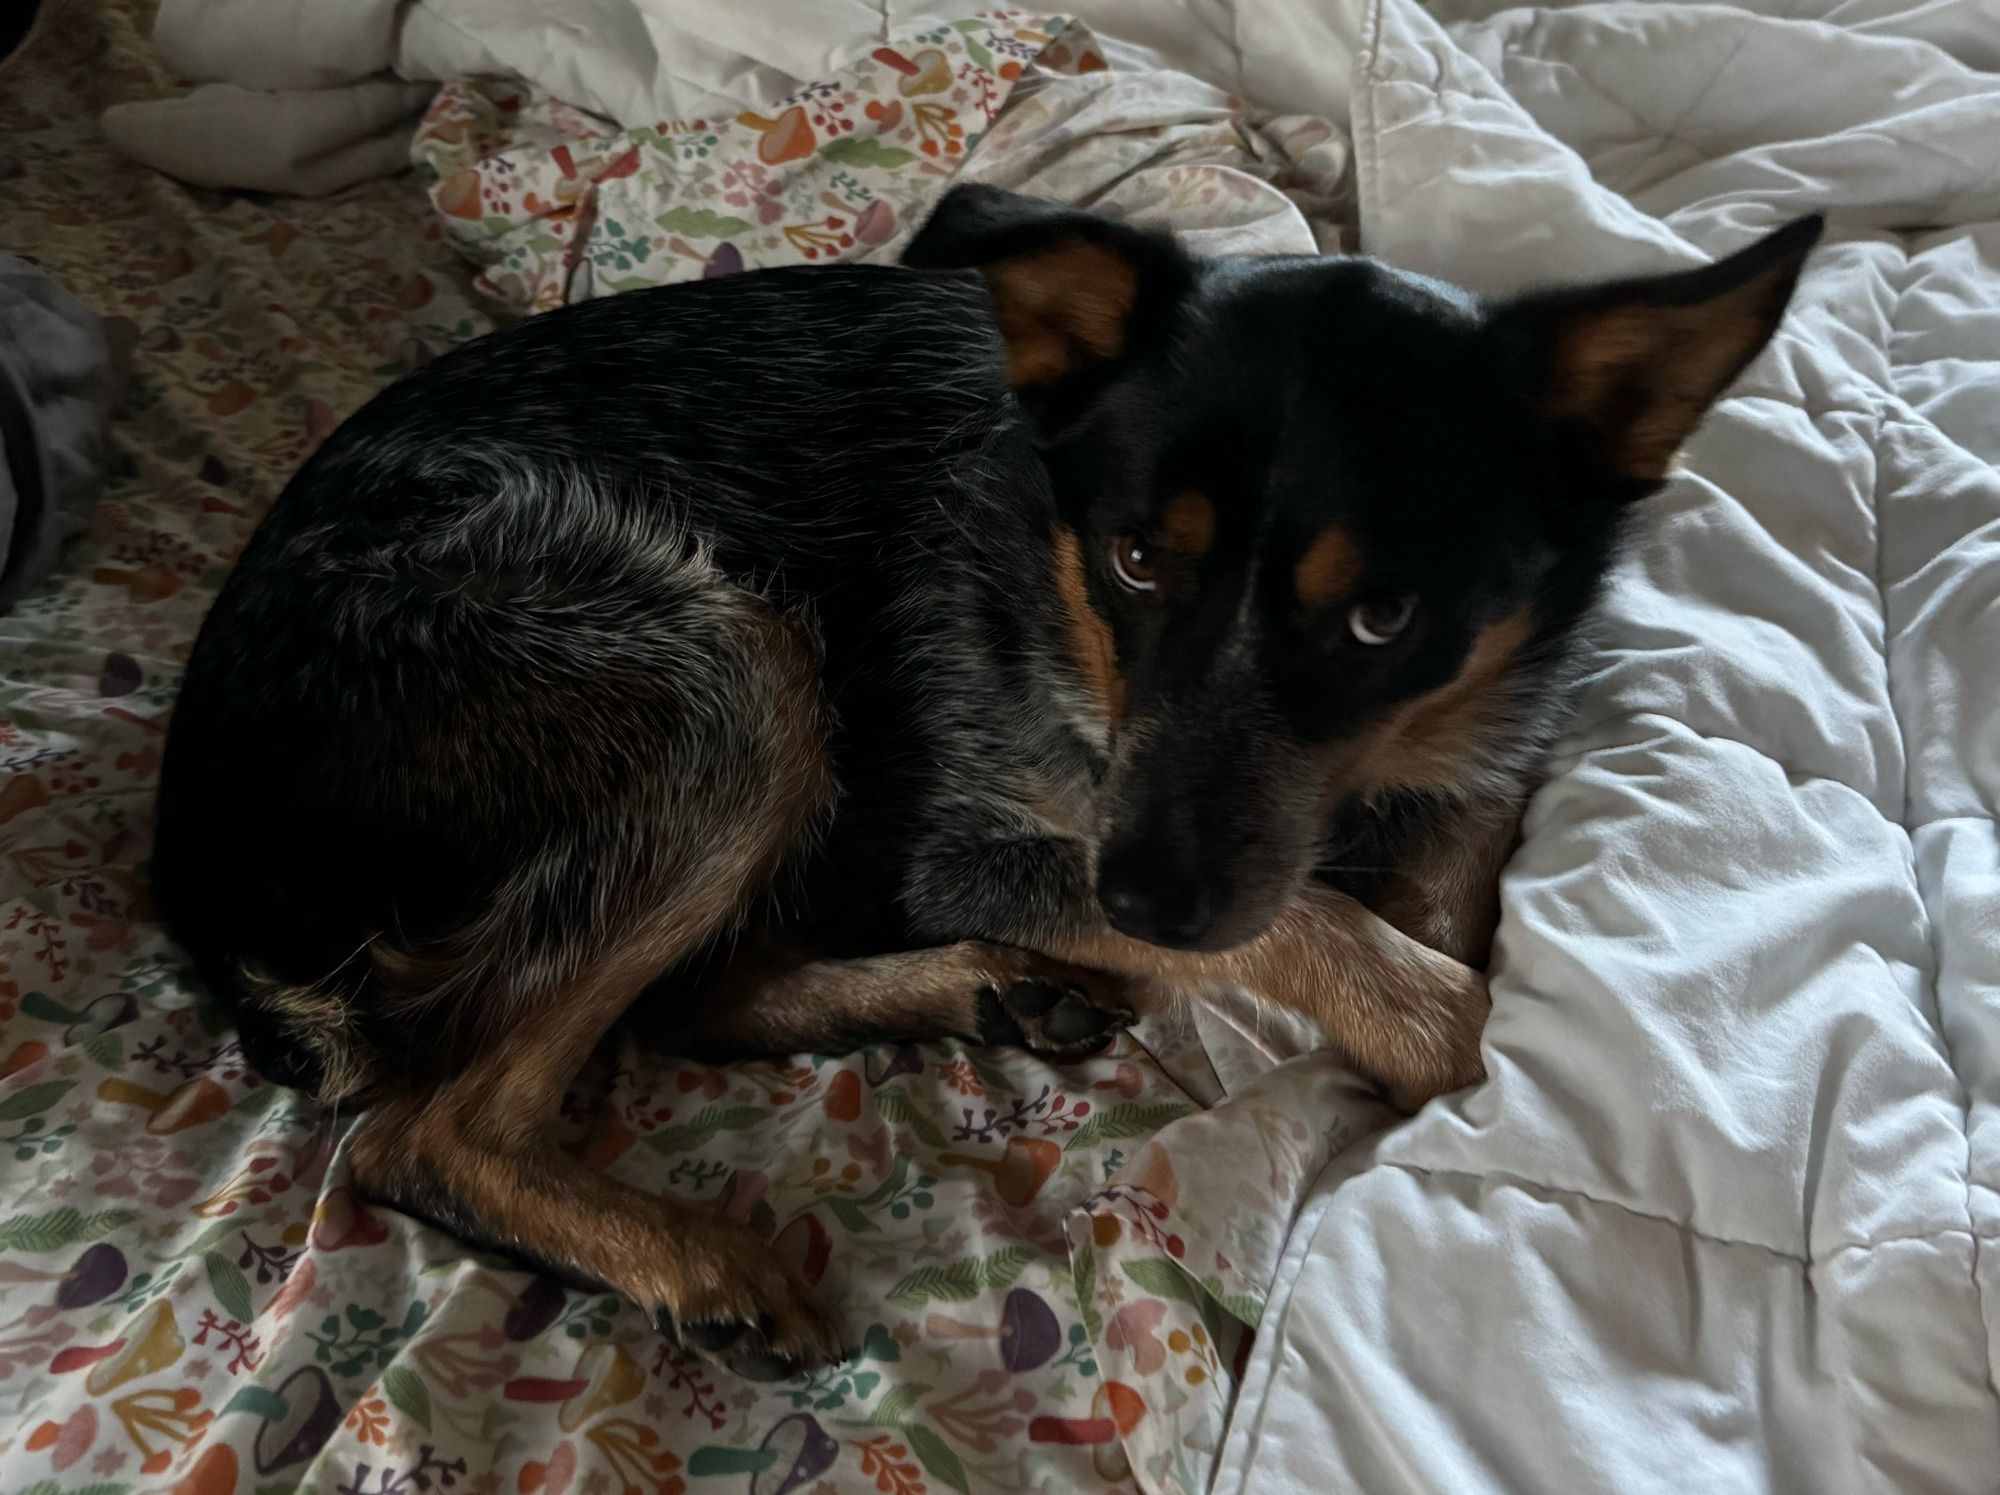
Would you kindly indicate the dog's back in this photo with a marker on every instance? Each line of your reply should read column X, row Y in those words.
column 463, row 608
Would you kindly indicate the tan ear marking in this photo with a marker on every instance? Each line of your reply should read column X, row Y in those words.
column 1060, row 307
column 1643, row 369
column 1327, row 569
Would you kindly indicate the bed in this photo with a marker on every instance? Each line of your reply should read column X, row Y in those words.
column 1721, row 1219
column 1048, row 1291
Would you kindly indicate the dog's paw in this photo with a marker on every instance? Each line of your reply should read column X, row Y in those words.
column 1051, row 1014
column 754, row 1319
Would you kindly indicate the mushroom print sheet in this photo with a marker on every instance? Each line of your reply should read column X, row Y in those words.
column 1048, row 1292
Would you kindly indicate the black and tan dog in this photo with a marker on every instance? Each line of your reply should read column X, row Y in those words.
column 751, row 655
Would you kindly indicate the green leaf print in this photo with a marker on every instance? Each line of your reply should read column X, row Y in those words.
column 409, row 1394
column 230, row 1286
column 1086, row 1294
column 59, row 1228
column 962, row 1280
column 34, row 1099
column 105, row 1050
column 702, row 223
column 50, row 1487
column 895, row 1408
column 1121, row 1122
column 896, row 1106
column 937, row 1457
column 707, row 1122
column 858, row 150
column 969, row 32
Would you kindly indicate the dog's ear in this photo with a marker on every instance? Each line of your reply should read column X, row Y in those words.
column 1630, row 368
column 1071, row 291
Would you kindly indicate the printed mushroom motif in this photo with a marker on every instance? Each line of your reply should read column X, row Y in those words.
column 786, row 138
column 155, row 1346
column 927, row 72
column 610, row 1380
column 1131, row 1328
column 98, row 1273
column 65, row 1441
column 797, row 1449
column 342, row 1220
column 877, row 223
column 800, row 1450
column 1027, row 1334
column 1024, row 1166
column 200, row 1100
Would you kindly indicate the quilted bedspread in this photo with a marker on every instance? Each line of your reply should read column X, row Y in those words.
column 1725, row 1216
column 1051, row 1273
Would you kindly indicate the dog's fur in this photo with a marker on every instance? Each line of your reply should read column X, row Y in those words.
column 754, row 647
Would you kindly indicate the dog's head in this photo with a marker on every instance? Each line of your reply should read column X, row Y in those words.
column 1319, row 520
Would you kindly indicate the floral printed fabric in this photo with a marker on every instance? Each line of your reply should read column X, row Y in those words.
column 1051, row 1272
column 560, row 205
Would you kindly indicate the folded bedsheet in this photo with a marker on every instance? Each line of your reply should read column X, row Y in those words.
column 1051, row 1272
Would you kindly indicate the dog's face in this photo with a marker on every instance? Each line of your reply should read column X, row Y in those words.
column 1319, row 521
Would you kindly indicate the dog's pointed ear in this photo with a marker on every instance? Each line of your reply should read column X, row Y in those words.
column 1070, row 290
column 1630, row 368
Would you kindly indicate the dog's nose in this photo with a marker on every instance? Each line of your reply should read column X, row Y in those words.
column 1150, row 900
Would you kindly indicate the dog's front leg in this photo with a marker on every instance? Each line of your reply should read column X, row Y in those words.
column 1405, row 1013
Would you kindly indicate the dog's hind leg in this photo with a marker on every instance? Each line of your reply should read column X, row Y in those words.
column 659, row 803
column 764, row 1003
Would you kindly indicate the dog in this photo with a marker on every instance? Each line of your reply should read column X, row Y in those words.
column 822, row 656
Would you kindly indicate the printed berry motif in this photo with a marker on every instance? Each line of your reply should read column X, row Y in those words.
column 1045, row 1288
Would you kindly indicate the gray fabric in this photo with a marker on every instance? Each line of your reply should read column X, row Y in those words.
column 59, row 374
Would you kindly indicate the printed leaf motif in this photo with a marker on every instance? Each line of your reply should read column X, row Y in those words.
column 896, row 1106
column 852, row 1215
column 937, row 1457
column 702, row 223
column 34, row 1099
column 1239, row 1306
column 105, row 1050
column 859, row 151
column 961, row 1280
column 408, row 1393
column 230, row 1286
column 894, row 1409
column 707, row 1122
column 59, row 1228
column 1086, row 1295
column 1122, row 1122
column 1165, row 1280
column 968, row 33
column 50, row 1487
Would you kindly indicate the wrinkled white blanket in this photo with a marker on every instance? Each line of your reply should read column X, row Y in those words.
column 1725, row 1218
column 307, row 97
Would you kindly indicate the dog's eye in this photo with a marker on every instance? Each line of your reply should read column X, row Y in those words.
column 1132, row 562
column 1381, row 622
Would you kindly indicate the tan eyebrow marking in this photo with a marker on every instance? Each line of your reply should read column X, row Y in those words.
column 1328, row 568
column 1188, row 525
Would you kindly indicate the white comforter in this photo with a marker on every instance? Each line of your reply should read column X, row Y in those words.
column 1725, row 1218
